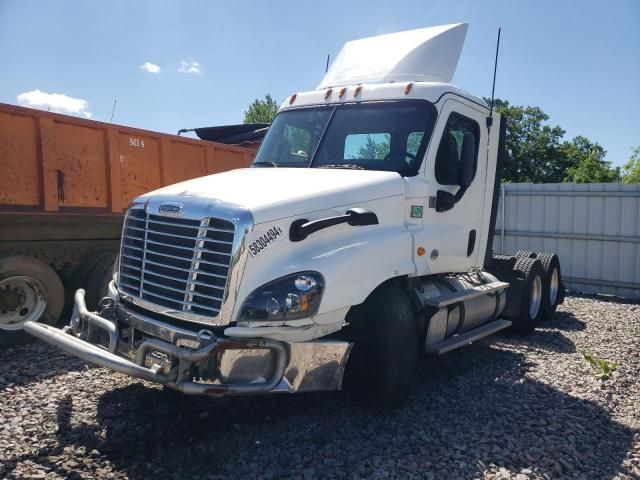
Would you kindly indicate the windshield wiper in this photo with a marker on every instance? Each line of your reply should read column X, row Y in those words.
column 349, row 166
column 272, row 164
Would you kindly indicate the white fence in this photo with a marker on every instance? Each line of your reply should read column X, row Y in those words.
column 594, row 228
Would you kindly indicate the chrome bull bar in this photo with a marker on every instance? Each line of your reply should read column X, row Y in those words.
column 291, row 366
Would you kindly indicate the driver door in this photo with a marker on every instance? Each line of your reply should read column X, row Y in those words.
column 453, row 215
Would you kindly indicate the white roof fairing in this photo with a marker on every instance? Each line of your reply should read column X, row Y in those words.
column 426, row 54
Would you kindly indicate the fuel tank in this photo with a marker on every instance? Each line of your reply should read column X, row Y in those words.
column 462, row 316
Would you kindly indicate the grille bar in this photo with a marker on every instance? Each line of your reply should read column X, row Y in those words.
column 172, row 262
column 215, row 264
column 212, row 229
column 186, row 270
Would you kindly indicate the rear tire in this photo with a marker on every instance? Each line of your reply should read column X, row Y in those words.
column 525, row 254
column 383, row 360
column 531, row 273
column 29, row 290
column 551, row 285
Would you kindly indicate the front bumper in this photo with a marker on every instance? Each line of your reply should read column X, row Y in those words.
column 194, row 362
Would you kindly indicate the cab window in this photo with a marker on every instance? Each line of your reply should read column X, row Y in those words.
column 460, row 133
column 367, row 146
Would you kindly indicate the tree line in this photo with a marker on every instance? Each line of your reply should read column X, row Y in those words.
column 536, row 151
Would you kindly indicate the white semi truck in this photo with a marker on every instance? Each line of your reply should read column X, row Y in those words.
column 359, row 240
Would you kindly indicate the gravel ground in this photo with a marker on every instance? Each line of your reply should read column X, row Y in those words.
column 507, row 408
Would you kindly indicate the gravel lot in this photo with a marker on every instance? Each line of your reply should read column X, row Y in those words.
column 509, row 407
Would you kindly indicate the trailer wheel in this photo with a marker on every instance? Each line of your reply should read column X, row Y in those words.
column 531, row 274
column 383, row 360
column 525, row 254
column 29, row 290
column 551, row 286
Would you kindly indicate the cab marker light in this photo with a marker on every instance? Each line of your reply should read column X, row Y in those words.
column 327, row 94
column 293, row 98
column 421, row 251
column 357, row 91
column 407, row 89
column 343, row 90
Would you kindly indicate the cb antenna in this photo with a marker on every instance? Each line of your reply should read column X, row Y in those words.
column 327, row 65
column 495, row 69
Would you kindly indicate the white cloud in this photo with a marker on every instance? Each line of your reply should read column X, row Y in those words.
column 150, row 67
column 55, row 102
column 189, row 67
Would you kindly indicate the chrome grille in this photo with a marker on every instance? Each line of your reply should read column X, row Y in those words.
column 180, row 264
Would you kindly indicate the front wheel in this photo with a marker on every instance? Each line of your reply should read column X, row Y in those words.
column 383, row 360
column 30, row 290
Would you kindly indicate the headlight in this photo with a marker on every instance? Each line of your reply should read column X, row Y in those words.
column 287, row 298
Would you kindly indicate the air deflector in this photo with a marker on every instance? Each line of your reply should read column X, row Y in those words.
column 425, row 54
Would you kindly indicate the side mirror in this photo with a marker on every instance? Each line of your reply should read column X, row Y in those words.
column 468, row 160
column 444, row 201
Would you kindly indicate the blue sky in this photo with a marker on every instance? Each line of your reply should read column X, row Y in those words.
column 578, row 60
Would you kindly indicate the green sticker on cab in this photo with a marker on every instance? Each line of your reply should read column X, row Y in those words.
column 416, row 211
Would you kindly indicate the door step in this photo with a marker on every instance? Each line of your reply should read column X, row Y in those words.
column 466, row 338
column 455, row 297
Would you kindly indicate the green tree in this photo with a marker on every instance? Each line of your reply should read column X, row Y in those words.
column 632, row 167
column 532, row 146
column 261, row 111
column 537, row 153
column 586, row 162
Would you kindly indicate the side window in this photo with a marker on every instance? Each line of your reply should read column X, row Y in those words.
column 461, row 134
column 367, row 146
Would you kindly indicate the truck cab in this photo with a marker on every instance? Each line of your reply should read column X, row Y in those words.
column 359, row 239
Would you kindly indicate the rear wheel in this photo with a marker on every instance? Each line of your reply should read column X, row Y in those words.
column 551, row 285
column 383, row 360
column 525, row 254
column 531, row 274
column 30, row 290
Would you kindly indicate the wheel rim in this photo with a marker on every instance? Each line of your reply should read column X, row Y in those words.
column 536, row 296
column 21, row 299
column 553, row 287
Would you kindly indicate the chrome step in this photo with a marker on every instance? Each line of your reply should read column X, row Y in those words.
column 466, row 338
column 455, row 297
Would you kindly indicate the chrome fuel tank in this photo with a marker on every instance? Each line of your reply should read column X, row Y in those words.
column 461, row 316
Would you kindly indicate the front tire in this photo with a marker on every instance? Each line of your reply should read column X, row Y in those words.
column 383, row 360
column 29, row 290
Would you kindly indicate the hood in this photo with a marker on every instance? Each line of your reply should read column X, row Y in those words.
column 274, row 193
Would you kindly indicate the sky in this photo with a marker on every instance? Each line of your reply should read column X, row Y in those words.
column 194, row 63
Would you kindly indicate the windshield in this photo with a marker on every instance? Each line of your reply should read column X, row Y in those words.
column 390, row 136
